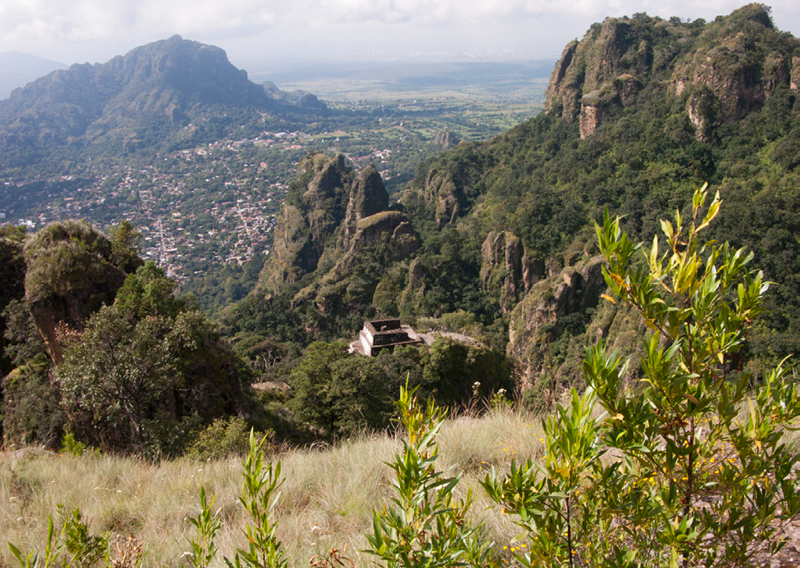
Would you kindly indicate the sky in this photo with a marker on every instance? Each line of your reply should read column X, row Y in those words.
column 262, row 34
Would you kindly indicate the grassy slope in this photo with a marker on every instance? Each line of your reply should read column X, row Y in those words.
column 326, row 500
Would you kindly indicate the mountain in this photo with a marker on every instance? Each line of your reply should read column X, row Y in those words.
column 639, row 111
column 131, row 102
column 18, row 69
column 298, row 97
column 335, row 224
column 723, row 71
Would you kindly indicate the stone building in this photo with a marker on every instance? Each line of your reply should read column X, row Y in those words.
column 383, row 334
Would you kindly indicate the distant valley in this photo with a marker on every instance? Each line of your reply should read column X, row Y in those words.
column 506, row 82
column 204, row 193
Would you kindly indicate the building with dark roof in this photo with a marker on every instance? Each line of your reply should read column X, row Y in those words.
column 378, row 335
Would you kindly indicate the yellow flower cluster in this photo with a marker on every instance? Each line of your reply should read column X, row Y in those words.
column 514, row 549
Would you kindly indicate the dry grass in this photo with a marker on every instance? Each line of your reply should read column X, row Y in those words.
column 326, row 500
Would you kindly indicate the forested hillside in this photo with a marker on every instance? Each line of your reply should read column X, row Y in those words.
column 495, row 240
column 639, row 111
column 524, row 244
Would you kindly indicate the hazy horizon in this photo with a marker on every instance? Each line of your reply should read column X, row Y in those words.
column 265, row 35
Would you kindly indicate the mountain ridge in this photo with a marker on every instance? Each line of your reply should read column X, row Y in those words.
column 128, row 102
column 18, row 69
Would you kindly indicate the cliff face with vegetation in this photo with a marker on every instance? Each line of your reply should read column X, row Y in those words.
column 721, row 71
column 334, row 236
column 70, row 275
column 639, row 111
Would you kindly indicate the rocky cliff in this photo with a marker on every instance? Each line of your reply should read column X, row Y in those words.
column 314, row 209
column 381, row 240
column 70, row 274
column 334, row 237
column 534, row 320
column 721, row 71
column 367, row 197
column 506, row 268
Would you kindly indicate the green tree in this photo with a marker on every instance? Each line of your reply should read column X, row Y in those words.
column 32, row 412
column 124, row 239
column 119, row 370
column 450, row 368
column 340, row 393
column 554, row 501
column 149, row 292
column 704, row 476
column 12, row 274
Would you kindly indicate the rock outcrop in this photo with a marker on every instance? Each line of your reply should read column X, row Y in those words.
column 723, row 70
column 563, row 90
column 69, row 276
column 501, row 267
column 308, row 219
column 729, row 74
column 391, row 227
column 335, row 234
column 572, row 291
column 446, row 195
column 445, row 138
column 598, row 73
column 367, row 197
column 381, row 239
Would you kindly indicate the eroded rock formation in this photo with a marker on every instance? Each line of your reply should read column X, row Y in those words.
column 722, row 70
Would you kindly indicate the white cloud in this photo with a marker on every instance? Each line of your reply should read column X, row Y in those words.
column 87, row 20
column 99, row 29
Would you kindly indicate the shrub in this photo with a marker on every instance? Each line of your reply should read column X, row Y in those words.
column 74, row 545
column 259, row 495
column 427, row 526
column 71, row 446
column 225, row 437
column 704, row 477
column 31, row 407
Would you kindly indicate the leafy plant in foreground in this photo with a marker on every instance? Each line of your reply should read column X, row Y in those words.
column 428, row 526
column 82, row 548
column 207, row 524
column 554, row 499
column 52, row 550
column 701, row 474
column 259, row 495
